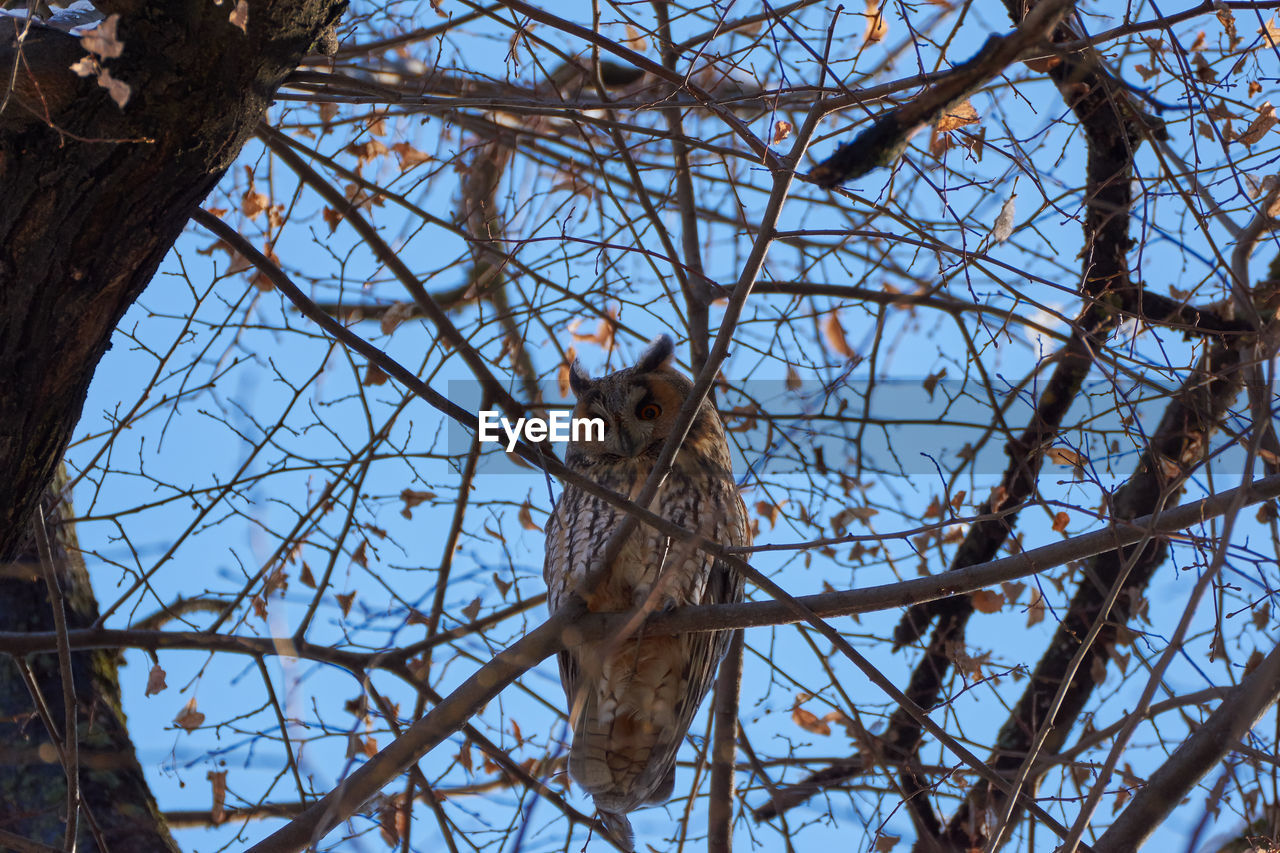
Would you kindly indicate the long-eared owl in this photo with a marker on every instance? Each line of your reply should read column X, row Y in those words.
column 632, row 698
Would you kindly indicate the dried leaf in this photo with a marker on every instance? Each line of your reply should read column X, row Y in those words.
column 344, row 601
column 834, row 335
column 1255, row 659
column 464, row 756
column 526, row 517
column 253, row 203
column 361, row 554
column 218, row 782
column 368, row 150
column 504, row 586
column 189, row 718
column 239, row 16
column 957, row 116
column 305, row 577
column 930, row 382
column 885, row 843
column 1228, row 22
column 373, row 375
column 1060, row 521
column 987, row 601
column 635, row 40
column 781, row 130
column 793, row 379
column 809, row 721
column 118, row 90
column 155, row 680
column 769, row 510
column 472, row 610
column 394, row 316
column 1270, row 33
column 1065, row 456
column 102, row 41
column 1043, row 64
column 1258, row 128
column 1036, row 609
column 393, row 819
column 410, row 156
column 877, row 26
column 1003, row 229
column 1098, row 670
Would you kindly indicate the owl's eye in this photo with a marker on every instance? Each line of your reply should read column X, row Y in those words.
column 648, row 411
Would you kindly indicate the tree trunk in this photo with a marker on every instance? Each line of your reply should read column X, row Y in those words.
column 94, row 194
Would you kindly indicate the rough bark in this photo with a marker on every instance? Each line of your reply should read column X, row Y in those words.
column 94, row 195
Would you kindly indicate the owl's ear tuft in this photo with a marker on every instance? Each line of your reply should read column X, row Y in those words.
column 579, row 381
column 657, row 355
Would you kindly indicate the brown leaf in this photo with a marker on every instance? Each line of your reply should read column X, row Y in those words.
column 635, row 40
column 1098, row 670
column 1270, row 33
column 930, row 383
column 793, row 379
column 781, row 130
column 373, row 375
column 464, row 756
column 305, row 577
column 1035, row 610
column 526, row 517
column 1060, row 521
column 331, row 218
column 361, row 554
column 957, row 116
column 101, row 40
column 877, row 26
column 1261, row 616
column 1065, row 456
column 393, row 819
column 515, row 731
column 218, row 781
column 410, row 156
column 189, row 718
column 769, row 510
column 885, row 843
column 1043, row 64
column 472, row 610
column 934, row 510
column 503, row 586
column 253, row 203
column 345, row 601
column 1258, row 128
column 394, row 316
column 1012, row 590
column 412, row 498
column 987, row 601
column 809, row 721
column 239, row 16
column 155, row 681
column 1255, row 658
column 118, row 90
column 834, row 335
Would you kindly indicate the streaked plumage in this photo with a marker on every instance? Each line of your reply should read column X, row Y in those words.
column 631, row 700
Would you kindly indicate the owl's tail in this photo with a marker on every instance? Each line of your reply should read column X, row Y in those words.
column 619, row 827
